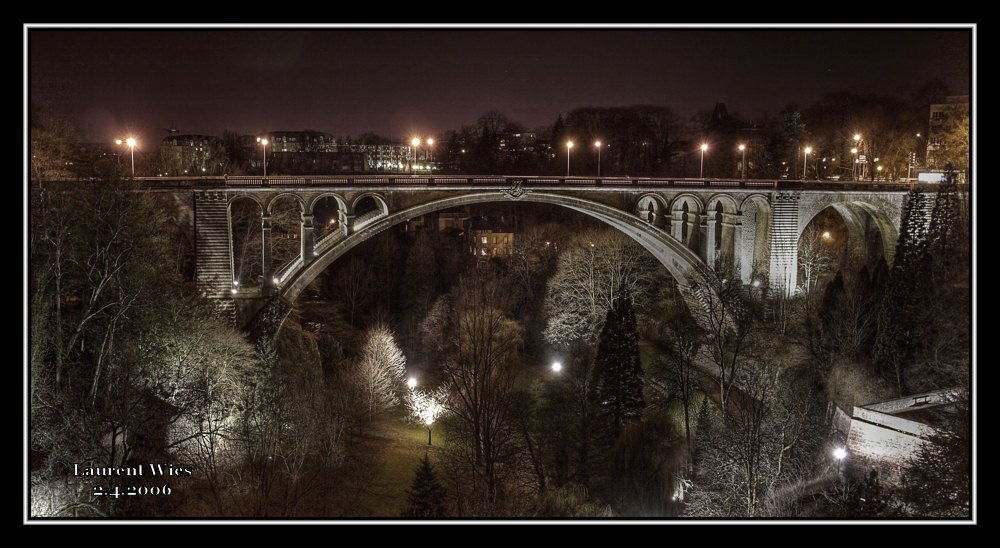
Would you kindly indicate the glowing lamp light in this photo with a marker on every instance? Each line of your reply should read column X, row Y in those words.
column 569, row 144
column 597, row 144
column 840, row 453
column 857, row 136
column 428, row 421
column 430, row 142
column 275, row 280
column 704, row 147
column 742, row 147
column 131, row 142
column 118, row 142
column 826, row 234
column 809, row 150
column 233, row 291
column 411, row 383
column 556, row 367
column 415, row 142
column 236, row 282
column 263, row 142
column 756, row 283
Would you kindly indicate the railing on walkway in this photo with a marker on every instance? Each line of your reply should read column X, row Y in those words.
column 451, row 181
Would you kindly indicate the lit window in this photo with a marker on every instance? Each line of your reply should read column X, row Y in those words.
column 482, row 251
column 484, row 239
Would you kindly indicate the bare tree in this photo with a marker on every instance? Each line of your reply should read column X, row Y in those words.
column 354, row 281
column 593, row 271
column 481, row 375
column 682, row 373
column 245, row 223
column 748, row 455
column 815, row 257
column 377, row 374
column 727, row 316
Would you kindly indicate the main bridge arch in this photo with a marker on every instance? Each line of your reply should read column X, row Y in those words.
column 682, row 263
column 688, row 229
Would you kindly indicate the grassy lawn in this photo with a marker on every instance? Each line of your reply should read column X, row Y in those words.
column 381, row 468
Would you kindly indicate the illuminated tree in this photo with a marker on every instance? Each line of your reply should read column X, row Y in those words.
column 592, row 272
column 425, row 407
column 815, row 257
column 378, row 372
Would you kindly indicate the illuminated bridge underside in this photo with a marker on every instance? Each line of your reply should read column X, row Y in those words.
column 750, row 227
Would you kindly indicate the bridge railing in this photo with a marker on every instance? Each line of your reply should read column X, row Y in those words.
column 399, row 180
column 361, row 221
column 326, row 242
column 283, row 273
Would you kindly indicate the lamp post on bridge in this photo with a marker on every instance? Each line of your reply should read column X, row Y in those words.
column 263, row 143
column 597, row 145
column 701, row 169
column 130, row 142
column 805, row 155
column 569, row 147
column 415, row 142
column 743, row 164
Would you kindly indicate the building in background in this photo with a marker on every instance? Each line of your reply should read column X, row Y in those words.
column 190, row 154
column 490, row 236
column 302, row 141
column 944, row 113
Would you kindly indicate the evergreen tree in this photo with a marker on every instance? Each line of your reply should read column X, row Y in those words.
column 948, row 239
column 618, row 379
column 901, row 321
column 425, row 497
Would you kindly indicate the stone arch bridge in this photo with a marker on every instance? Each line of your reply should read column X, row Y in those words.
column 752, row 226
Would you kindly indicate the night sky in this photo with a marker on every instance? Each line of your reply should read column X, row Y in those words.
column 407, row 82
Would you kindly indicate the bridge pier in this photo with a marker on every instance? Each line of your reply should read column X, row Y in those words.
column 267, row 266
column 677, row 228
column 785, row 242
column 213, row 249
column 727, row 247
column 308, row 235
column 735, row 226
column 707, row 241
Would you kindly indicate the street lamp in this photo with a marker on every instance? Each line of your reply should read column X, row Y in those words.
column 701, row 169
column 411, row 383
column 430, row 153
column 430, row 423
column 597, row 145
column 863, row 163
column 569, row 147
column 130, row 142
column 743, row 149
column 263, row 143
column 840, row 454
column 413, row 157
column 854, row 168
column 805, row 156
column 556, row 367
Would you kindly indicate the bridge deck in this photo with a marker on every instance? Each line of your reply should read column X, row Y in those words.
column 403, row 181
